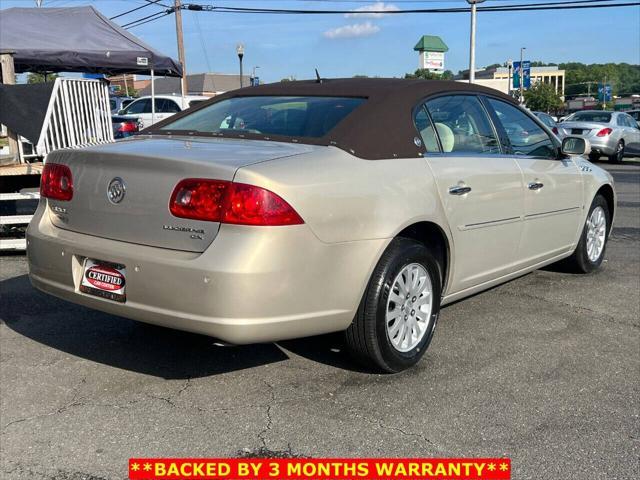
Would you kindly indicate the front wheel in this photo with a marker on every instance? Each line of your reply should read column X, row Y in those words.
column 618, row 155
column 398, row 313
column 589, row 253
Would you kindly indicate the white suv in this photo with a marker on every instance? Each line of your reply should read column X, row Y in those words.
column 166, row 105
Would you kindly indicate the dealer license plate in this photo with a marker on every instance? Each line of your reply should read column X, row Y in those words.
column 104, row 279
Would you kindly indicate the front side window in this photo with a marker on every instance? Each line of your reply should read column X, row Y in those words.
column 630, row 121
column 461, row 124
column 139, row 106
column 525, row 136
column 310, row 117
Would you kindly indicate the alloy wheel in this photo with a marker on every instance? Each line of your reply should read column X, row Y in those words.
column 596, row 233
column 409, row 307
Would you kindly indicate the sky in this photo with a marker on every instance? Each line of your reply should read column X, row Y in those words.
column 366, row 44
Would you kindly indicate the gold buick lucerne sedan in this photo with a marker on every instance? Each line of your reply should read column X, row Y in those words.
column 303, row 208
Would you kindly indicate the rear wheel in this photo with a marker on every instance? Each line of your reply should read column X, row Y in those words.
column 590, row 251
column 618, row 155
column 398, row 313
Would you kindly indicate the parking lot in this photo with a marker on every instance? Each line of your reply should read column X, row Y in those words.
column 544, row 369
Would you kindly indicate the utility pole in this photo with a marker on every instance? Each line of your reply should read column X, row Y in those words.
column 472, row 41
column 177, row 9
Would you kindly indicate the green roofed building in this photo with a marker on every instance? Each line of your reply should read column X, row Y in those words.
column 431, row 50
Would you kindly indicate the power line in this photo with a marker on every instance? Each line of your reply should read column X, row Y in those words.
column 560, row 5
column 147, row 19
column 148, row 4
column 563, row 5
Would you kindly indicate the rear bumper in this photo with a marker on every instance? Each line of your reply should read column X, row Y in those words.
column 253, row 284
column 603, row 145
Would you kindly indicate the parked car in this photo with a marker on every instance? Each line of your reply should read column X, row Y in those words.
column 124, row 126
column 635, row 114
column 117, row 103
column 166, row 105
column 303, row 208
column 549, row 121
column 613, row 134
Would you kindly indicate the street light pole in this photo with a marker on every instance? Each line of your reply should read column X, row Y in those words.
column 522, row 49
column 240, row 52
column 472, row 41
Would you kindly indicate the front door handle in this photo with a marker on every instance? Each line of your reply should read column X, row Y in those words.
column 535, row 185
column 459, row 190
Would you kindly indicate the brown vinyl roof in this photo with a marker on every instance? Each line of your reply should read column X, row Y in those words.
column 382, row 127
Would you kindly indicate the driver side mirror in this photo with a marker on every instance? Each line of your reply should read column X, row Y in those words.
column 575, row 146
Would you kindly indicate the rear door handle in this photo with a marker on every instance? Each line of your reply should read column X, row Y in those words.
column 459, row 190
column 535, row 185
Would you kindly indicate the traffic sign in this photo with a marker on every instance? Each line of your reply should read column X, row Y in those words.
column 526, row 74
column 604, row 93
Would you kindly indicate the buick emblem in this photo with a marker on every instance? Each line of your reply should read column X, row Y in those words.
column 116, row 190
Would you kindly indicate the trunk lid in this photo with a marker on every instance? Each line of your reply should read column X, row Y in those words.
column 582, row 128
column 149, row 168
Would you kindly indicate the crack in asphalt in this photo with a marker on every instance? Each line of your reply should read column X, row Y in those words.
column 263, row 433
column 576, row 308
column 73, row 403
column 380, row 424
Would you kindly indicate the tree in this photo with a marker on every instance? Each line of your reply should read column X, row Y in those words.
column 542, row 97
column 429, row 75
column 41, row 77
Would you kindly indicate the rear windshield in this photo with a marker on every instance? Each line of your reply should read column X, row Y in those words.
column 590, row 117
column 288, row 116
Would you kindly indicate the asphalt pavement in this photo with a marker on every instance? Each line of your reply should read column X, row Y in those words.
column 544, row 369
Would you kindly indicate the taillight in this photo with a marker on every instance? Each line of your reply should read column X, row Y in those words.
column 128, row 127
column 228, row 202
column 56, row 182
column 199, row 199
column 251, row 205
column 555, row 130
column 604, row 132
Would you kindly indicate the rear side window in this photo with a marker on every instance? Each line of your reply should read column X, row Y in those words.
column 461, row 124
column 547, row 120
column 525, row 136
column 165, row 105
column 287, row 116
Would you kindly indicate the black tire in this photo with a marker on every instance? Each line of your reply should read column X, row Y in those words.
column 618, row 154
column 594, row 156
column 367, row 337
column 579, row 261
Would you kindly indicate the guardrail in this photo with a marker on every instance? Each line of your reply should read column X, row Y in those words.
column 10, row 222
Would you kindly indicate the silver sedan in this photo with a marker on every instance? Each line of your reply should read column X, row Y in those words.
column 613, row 134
